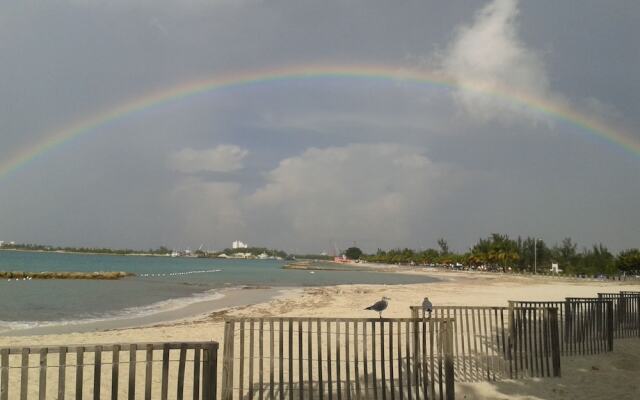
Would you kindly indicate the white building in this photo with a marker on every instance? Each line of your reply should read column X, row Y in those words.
column 237, row 244
column 555, row 269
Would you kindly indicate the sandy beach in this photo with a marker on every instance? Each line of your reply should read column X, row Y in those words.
column 612, row 375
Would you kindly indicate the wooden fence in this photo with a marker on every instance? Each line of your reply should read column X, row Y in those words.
column 492, row 343
column 626, row 313
column 559, row 305
column 77, row 372
column 586, row 324
column 337, row 358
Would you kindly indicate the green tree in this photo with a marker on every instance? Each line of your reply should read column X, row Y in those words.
column 596, row 260
column 566, row 255
column 353, row 253
column 498, row 251
column 531, row 252
column 429, row 256
column 628, row 260
column 444, row 246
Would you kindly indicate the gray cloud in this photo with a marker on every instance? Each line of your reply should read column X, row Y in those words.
column 207, row 211
column 222, row 158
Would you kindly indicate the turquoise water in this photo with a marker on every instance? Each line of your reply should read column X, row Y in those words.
column 161, row 282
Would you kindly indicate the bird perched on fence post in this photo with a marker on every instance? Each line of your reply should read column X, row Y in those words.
column 379, row 306
column 427, row 307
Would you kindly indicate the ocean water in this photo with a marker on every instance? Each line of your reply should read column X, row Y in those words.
column 161, row 283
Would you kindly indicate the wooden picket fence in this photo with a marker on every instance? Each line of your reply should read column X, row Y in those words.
column 337, row 358
column 626, row 313
column 493, row 343
column 586, row 324
column 95, row 371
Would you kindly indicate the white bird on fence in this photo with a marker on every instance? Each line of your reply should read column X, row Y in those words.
column 427, row 307
column 379, row 306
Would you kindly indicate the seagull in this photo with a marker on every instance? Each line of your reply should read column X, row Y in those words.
column 379, row 306
column 427, row 307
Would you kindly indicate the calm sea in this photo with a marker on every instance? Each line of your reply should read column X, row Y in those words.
column 161, row 282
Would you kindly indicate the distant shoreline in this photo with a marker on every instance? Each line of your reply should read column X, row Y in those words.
column 90, row 253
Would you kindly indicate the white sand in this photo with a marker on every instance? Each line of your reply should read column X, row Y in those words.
column 613, row 375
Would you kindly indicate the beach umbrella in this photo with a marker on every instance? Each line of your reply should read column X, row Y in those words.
column 379, row 306
column 427, row 307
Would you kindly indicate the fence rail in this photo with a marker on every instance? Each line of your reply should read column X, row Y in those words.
column 337, row 358
column 492, row 343
column 93, row 371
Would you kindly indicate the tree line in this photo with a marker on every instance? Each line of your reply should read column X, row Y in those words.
column 162, row 250
column 501, row 253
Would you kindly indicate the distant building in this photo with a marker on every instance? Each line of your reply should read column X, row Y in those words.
column 237, row 244
column 555, row 269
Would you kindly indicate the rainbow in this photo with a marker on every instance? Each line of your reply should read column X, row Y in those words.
column 562, row 111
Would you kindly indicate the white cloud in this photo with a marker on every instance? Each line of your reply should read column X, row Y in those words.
column 376, row 193
column 489, row 53
column 223, row 158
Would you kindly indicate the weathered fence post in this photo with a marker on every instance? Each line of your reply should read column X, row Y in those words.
column 609, row 328
column 209, row 371
column 568, row 326
column 637, row 314
column 4, row 374
column 510, row 327
column 446, row 336
column 213, row 361
column 227, row 361
column 555, row 343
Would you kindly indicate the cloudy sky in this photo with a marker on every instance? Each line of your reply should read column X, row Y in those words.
column 300, row 164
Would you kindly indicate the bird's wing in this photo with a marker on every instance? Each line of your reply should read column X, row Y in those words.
column 376, row 306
